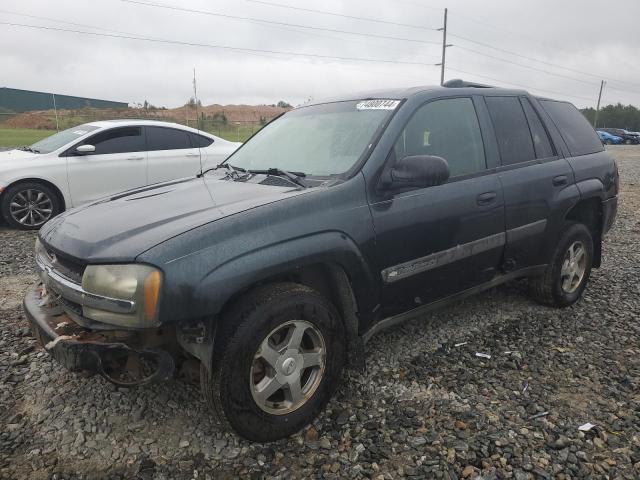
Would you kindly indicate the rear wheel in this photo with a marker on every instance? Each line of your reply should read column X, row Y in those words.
column 277, row 361
column 29, row 205
column 567, row 274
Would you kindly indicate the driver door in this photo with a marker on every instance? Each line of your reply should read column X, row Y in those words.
column 437, row 241
column 119, row 163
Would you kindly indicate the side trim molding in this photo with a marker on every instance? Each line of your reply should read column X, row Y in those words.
column 524, row 231
column 438, row 259
column 424, row 309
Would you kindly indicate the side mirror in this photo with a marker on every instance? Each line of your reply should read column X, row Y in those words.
column 84, row 149
column 418, row 171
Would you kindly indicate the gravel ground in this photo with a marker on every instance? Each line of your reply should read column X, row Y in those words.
column 424, row 407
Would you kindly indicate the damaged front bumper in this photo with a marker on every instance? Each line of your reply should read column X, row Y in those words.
column 123, row 357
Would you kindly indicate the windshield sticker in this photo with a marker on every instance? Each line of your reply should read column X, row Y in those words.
column 380, row 104
column 80, row 132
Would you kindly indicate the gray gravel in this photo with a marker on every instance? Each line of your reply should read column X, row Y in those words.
column 424, row 408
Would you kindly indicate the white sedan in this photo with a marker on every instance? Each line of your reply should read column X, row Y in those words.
column 97, row 159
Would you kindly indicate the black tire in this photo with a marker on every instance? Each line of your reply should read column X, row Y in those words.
column 547, row 289
column 608, row 141
column 628, row 142
column 226, row 385
column 11, row 194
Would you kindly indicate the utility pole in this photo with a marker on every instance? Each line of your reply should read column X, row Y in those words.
column 444, row 47
column 195, row 97
column 595, row 120
column 55, row 109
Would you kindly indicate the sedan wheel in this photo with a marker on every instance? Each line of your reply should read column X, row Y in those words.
column 31, row 208
column 29, row 205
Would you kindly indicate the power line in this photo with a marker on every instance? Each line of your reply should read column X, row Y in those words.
column 334, row 14
column 49, row 19
column 519, row 84
column 222, row 47
column 259, row 20
column 525, row 66
column 533, row 59
column 535, row 39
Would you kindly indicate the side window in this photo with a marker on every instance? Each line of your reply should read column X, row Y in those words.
column 446, row 128
column 117, row 140
column 162, row 138
column 512, row 129
column 541, row 142
column 200, row 140
column 576, row 131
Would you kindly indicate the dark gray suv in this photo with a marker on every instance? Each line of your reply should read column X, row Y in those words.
column 335, row 221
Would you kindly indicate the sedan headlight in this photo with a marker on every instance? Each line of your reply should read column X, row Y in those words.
column 128, row 295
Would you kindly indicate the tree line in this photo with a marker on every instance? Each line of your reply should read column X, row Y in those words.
column 615, row 116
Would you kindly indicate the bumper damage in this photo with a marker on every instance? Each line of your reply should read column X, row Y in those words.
column 123, row 357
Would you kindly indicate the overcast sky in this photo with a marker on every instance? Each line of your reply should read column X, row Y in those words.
column 591, row 39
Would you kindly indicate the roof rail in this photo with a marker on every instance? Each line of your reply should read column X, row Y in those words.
column 459, row 83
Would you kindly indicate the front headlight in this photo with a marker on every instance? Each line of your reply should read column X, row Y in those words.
column 135, row 283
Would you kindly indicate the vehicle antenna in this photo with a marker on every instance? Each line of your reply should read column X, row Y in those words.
column 195, row 98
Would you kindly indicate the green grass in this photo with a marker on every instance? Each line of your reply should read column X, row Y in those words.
column 16, row 137
column 231, row 132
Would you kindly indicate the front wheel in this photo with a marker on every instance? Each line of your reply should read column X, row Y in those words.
column 277, row 361
column 567, row 274
column 29, row 205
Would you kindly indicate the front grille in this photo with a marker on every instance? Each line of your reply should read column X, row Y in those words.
column 65, row 266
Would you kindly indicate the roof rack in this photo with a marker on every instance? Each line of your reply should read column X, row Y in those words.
column 459, row 83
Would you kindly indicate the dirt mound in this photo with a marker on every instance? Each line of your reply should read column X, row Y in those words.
column 38, row 120
column 46, row 119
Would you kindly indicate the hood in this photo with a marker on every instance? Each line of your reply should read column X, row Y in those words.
column 120, row 228
column 16, row 154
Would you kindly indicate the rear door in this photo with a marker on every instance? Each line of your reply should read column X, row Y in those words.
column 119, row 163
column 436, row 241
column 171, row 154
column 534, row 177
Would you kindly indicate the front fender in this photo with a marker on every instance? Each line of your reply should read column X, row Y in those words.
column 244, row 271
column 206, row 296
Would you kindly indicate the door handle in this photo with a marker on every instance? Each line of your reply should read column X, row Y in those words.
column 193, row 154
column 486, row 198
column 559, row 180
column 135, row 158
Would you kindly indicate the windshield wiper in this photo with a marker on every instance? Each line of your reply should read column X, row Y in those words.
column 278, row 172
column 228, row 166
column 29, row 149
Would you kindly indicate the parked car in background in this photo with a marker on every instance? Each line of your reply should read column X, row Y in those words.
column 628, row 138
column 609, row 139
column 97, row 159
column 334, row 222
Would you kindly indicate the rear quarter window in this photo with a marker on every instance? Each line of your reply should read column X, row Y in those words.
column 576, row 131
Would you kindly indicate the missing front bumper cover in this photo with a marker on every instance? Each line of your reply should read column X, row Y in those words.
column 117, row 355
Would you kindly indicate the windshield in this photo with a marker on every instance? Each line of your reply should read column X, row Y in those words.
column 320, row 140
column 62, row 138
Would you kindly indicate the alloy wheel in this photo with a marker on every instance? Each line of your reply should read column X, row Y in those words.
column 574, row 267
column 288, row 367
column 31, row 207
